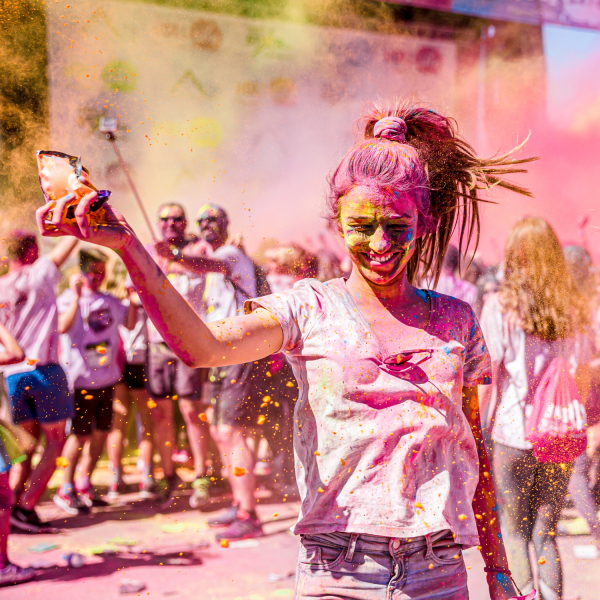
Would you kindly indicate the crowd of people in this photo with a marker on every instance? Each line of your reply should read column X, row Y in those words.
column 402, row 337
column 78, row 366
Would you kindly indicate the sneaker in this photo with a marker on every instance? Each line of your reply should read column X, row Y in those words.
column 70, row 502
column 169, row 490
column 148, row 488
column 89, row 497
column 115, row 490
column 242, row 528
column 201, row 493
column 27, row 520
column 13, row 574
column 225, row 518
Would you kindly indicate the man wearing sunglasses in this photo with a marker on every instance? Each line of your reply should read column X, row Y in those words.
column 233, row 391
column 168, row 377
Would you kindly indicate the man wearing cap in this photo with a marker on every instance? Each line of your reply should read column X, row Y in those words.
column 233, row 391
column 168, row 377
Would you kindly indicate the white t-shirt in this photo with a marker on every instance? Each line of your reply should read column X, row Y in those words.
column 371, row 442
column 222, row 299
column 135, row 341
column 525, row 358
column 90, row 348
column 28, row 311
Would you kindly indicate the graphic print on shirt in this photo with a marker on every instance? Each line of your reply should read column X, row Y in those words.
column 381, row 448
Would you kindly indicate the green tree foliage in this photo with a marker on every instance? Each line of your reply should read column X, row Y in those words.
column 23, row 100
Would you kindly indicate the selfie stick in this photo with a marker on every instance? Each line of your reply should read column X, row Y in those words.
column 109, row 126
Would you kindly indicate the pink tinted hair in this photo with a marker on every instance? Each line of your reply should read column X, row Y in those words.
column 433, row 162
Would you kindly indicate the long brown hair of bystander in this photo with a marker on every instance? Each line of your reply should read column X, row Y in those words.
column 537, row 284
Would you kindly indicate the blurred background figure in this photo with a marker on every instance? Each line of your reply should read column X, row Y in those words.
column 169, row 379
column 89, row 323
column 131, row 393
column 10, row 574
column 37, row 386
column 537, row 315
column 584, row 487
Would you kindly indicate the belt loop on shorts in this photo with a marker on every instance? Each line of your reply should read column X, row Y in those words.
column 351, row 547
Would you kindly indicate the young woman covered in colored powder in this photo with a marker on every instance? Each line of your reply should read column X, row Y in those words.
column 393, row 475
column 538, row 314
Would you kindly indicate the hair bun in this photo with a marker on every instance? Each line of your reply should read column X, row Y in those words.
column 391, row 128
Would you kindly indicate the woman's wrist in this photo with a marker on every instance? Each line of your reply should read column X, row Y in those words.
column 132, row 249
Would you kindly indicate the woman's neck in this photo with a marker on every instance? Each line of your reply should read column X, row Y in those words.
column 396, row 294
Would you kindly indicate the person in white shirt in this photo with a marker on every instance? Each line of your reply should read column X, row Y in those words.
column 89, row 323
column 37, row 386
column 169, row 378
column 234, row 391
column 537, row 315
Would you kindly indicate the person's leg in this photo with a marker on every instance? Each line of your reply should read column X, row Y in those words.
column 239, row 458
column 547, row 502
column 40, row 476
column 53, row 405
column 71, row 452
column 514, row 473
column 582, row 495
column 21, row 471
column 21, row 389
column 164, row 433
column 81, row 433
column 161, row 383
column 66, row 496
column 102, row 424
column 114, row 443
column 197, row 432
column 9, row 573
column 6, row 506
column 140, row 399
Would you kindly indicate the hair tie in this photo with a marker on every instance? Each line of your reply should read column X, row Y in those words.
column 391, row 128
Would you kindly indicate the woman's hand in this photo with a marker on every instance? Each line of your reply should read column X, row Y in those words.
column 111, row 232
column 502, row 588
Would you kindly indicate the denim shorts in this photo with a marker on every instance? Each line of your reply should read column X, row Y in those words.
column 366, row 567
column 40, row 395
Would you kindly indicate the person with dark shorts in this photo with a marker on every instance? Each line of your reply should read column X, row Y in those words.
column 233, row 391
column 130, row 392
column 88, row 320
column 169, row 378
column 37, row 386
column 10, row 574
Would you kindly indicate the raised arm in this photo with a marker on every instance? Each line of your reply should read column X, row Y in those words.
column 59, row 254
column 195, row 264
column 232, row 341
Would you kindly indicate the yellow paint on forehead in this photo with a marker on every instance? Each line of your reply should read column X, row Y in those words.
column 206, row 210
column 168, row 211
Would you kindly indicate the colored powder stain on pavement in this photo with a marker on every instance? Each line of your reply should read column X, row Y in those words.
column 135, row 542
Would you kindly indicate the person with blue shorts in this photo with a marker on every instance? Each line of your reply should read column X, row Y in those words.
column 37, row 386
column 10, row 574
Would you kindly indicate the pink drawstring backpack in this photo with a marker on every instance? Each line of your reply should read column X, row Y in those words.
column 556, row 426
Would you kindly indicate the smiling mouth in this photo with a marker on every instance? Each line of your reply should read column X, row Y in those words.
column 382, row 259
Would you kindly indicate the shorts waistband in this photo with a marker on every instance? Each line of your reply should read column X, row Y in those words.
column 375, row 544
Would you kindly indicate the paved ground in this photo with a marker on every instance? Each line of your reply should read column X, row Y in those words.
column 175, row 555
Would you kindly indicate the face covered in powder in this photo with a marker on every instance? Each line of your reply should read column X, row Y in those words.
column 171, row 223
column 380, row 228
